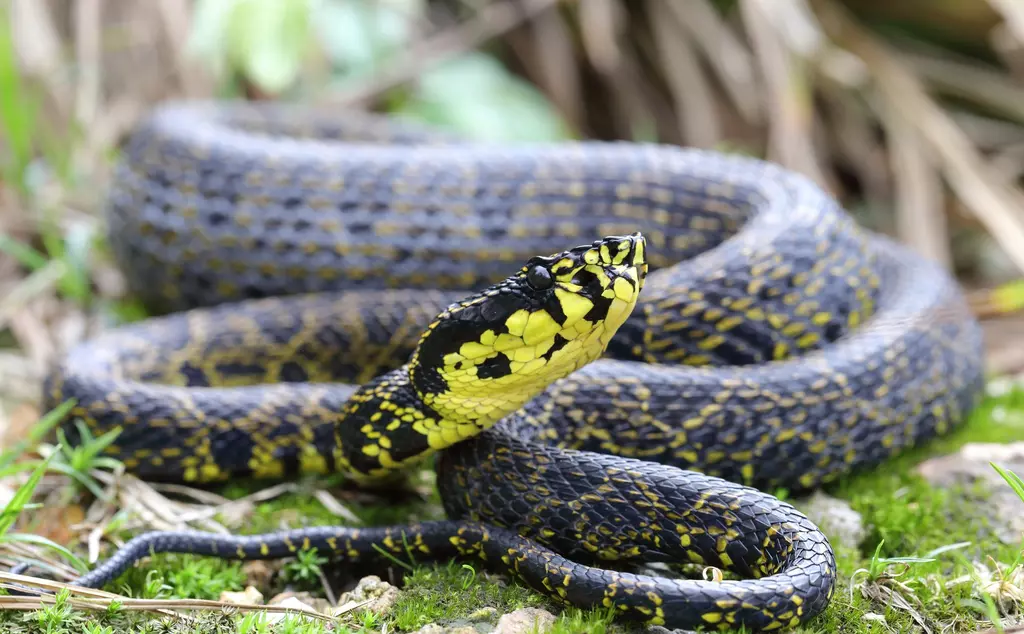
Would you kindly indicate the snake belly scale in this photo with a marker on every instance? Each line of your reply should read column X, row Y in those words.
column 353, row 293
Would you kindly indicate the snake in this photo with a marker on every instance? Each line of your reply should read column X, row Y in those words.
column 612, row 352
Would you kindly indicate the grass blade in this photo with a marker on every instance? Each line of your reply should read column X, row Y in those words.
column 40, row 429
column 1012, row 479
column 39, row 540
column 21, row 497
column 23, row 253
column 16, row 113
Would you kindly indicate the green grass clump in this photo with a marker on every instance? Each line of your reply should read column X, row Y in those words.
column 917, row 564
column 448, row 593
column 62, row 618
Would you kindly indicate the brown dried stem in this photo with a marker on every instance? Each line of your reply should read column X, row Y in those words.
column 995, row 203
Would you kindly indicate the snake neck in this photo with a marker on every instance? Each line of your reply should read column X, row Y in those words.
column 388, row 425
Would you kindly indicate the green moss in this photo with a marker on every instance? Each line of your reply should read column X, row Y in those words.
column 451, row 592
column 909, row 517
column 176, row 576
column 901, row 511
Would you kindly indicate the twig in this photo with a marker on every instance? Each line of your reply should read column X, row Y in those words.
column 491, row 21
column 994, row 202
column 1008, row 162
column 332, row 504
column 851, row 125
column 88, row 598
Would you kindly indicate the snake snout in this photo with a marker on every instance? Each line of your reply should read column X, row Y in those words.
column 627, row 256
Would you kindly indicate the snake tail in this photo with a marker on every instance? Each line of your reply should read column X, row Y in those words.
column 792, row 571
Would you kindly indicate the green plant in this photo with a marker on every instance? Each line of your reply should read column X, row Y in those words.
column 79, row 459
column 304, row 570
column 19, row 502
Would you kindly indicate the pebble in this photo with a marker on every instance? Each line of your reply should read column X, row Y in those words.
column 970, row 466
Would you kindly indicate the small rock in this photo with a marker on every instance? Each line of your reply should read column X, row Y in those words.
column 316, row 604
column 658, row 629
column 970, row 466
column 249, row 595
column 835, row 517
column 525, row 621
column 434, row 628
column 293, row 603
column 369, row 594
column 236, row 513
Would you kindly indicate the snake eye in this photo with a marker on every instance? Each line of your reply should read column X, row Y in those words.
column 539, row 278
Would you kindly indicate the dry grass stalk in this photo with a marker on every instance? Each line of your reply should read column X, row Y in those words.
column 920, row 220
column 987, row 133
column 601, row 25
column 849, row 132
column 88, row 23
column 695, row 102
column 176, row 19
column 548, row 47
column 978, row 84
column 723, row 51
column 791, row 113
column 90, row 599
column 37, row 283
column 995, row 203
column 38, row 46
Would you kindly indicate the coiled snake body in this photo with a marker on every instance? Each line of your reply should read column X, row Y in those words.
column 399, row 305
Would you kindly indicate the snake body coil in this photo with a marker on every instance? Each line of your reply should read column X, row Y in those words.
column 773, row 344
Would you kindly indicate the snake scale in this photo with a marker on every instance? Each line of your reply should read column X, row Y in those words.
column 352, row 293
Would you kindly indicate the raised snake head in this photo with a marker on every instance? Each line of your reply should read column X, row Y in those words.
column 487, row 355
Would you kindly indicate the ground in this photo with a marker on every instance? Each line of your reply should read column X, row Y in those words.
column 944, row 532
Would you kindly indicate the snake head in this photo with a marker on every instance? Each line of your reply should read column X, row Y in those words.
column 487, row 355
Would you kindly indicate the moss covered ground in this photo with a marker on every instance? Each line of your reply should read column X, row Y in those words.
column 919, row 539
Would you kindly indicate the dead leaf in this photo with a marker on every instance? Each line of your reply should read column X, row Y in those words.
column 56, row 522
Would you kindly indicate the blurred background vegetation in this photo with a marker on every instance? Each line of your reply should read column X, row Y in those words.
column 911, row 112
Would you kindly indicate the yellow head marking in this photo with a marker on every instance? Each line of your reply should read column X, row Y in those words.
column 488, row 355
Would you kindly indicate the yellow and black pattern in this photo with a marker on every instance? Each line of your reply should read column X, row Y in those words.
column 754, row 334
